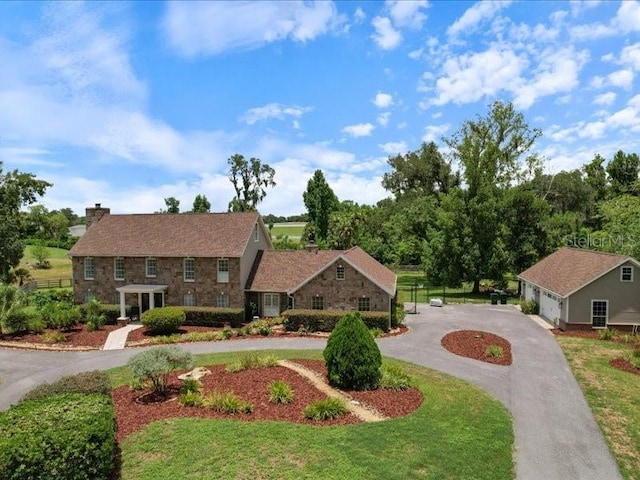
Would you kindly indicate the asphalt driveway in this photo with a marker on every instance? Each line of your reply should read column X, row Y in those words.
column 556, row 437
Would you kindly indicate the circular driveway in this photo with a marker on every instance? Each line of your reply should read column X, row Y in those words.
column 556, row 436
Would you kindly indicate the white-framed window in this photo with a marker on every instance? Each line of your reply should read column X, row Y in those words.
column 256, row 234
column 189, row 269
column 364, row 304
column 89, row 268
column 223, row 270
column 626, row 273
column 118, row 268
column 88, row 296
column 189, row 300
column 151, row 267
column 599, row 313
column 223, row 300
column 317, row 303
column 339, row 272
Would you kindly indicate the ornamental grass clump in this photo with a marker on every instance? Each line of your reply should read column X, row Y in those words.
column 152, row 367
column 352, row 356
column 280, row 392
column 325, row 409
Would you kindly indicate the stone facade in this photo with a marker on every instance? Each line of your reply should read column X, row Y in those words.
column 170, row 271
column 341, row 294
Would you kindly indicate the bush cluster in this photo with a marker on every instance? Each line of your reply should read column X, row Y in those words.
column 87, row 382
column 326, row 320
column 213, row 316
column 153, row 366
column 111, row 312
column 164, row 320
column 69, row 436
column 22, row 320
column 352, row 356
column 529, row 307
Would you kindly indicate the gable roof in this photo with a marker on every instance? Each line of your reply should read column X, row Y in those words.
column 569, row 269
column 170, row 235
column 288, row 270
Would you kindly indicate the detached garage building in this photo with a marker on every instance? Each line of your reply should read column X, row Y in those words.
column 580, row 289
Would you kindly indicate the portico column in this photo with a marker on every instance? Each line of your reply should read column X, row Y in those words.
column 152, row 300
column 123, row 308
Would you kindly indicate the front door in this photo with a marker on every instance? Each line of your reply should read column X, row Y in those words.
column 271, row 305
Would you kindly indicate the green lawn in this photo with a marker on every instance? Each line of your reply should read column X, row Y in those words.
column 58, row 258
column 613, row 395
column 408, row 280
column 460, row 432
column 294, row 231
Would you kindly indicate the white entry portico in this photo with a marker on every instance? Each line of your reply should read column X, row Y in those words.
column 140, row 290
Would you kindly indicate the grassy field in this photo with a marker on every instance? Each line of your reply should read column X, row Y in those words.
column 293, row 230
column 58, row 258
column 408, row 280
column 459, row 432
column 613, row 396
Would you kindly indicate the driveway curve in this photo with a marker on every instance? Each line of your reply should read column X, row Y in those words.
column 556, row 436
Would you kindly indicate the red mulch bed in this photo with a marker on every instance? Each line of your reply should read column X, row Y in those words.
column 595, row 335
column 253, row 386
column 474, row 343
column 624, row 365
column 141, row 336
column 77, row 337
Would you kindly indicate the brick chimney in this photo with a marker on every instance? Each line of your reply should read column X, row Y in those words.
column 94, row 214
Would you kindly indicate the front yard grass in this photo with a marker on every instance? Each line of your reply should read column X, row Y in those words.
column 459, row 432
column 612, row 394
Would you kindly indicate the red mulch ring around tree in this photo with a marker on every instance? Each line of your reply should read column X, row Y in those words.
column 624, row 365
column 75, row 338
column 253, row 386
column 474, row 344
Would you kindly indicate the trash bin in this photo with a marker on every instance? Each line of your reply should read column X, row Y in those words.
column 494, row 298
column 503, row 298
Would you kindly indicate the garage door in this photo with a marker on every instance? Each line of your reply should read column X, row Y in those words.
column 549, row 306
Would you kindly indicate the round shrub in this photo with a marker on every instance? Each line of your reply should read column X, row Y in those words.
column 153, row 366
column 163, row 321
column 352, row 356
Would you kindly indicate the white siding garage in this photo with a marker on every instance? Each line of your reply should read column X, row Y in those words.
column 549, row 306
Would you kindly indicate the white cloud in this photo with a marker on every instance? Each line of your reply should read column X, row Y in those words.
column 475, row 16
column 630, row 55
column 359, row 15
column 407, row 13
column 433, row 133
column 359, row 130
column 383, row 118
column 605, row 99
column 273, row 110
column 621, row 78
column 627, row 20
column 470, row 77
column 383, row 100
column 210, row 28
column 557, row 72
column 386, row 37
column 394, row 148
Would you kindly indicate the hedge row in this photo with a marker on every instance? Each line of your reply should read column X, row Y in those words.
column 60, row 437
column 326, row 320
column 214, row 316
column 95, row 381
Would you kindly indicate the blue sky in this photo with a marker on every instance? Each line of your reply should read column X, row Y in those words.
column 125, row 104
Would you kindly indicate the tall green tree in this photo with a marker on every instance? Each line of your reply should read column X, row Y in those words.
column 321, row 202
column 250, row 179
column 422, row 172
column 201, row 204
column 493, row 152
column 173, row 205
column 596, row 177
column 17, row 189
column 620, row 231
column 623, row 170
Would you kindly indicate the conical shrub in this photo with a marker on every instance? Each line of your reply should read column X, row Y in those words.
column 352, row 356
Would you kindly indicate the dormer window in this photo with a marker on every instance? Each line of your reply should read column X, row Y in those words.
column 626, row 273
column 339, row 272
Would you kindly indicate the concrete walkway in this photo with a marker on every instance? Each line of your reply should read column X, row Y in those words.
column 117, row 339
column 556, row 436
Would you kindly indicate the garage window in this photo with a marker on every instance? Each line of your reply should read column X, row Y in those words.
column 599, row 313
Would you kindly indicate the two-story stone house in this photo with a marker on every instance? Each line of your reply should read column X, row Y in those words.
column 219, row 260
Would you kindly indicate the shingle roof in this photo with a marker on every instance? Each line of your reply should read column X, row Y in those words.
column 288, row 270
column 168, row 235
column 569, row 269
